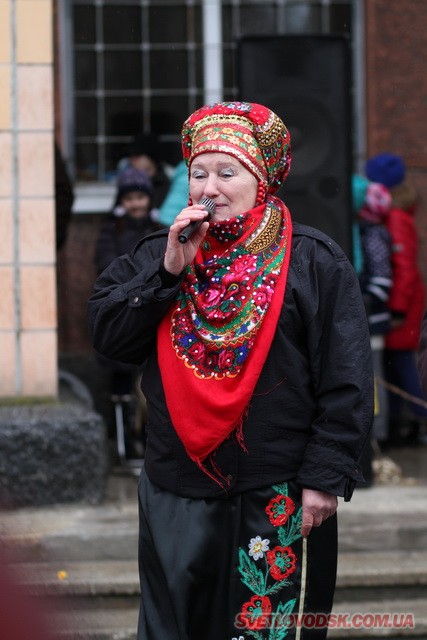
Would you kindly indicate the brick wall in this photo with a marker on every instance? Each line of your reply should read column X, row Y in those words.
column 396, row 90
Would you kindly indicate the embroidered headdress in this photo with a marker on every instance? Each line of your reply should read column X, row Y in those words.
column 215, row 337
column 249, row 132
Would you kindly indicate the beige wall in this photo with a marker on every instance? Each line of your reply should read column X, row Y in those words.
column 28, row 319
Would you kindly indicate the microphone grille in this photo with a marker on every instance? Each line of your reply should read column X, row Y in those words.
column 208, row 204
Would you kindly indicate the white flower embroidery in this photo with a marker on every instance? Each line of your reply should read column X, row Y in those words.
column 257, row 547
column 239, row 638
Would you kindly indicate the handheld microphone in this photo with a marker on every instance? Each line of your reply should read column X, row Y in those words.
column 193, row 226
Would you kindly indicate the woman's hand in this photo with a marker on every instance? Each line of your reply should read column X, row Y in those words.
column 179, row 255
column 317, row 507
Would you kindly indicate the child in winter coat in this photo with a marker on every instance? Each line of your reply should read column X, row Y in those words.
column 132, row 217
column 376, row 282
column 130, row 221
column 407, row 299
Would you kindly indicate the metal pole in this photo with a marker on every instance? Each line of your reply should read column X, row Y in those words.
column 212, row 41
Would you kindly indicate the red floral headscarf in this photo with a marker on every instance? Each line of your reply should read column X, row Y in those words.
column 213, row 342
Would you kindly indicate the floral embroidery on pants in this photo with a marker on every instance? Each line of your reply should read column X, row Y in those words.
column 267, row 568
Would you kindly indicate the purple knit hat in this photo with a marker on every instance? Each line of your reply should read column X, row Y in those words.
column 386, row 168
column 132, row 179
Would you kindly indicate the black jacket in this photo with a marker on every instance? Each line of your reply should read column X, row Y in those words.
column 312, row 408
column 119, row 235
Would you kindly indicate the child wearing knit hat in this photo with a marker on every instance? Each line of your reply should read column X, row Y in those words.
column 408, row 422
column 386, row 168
column 131, row 220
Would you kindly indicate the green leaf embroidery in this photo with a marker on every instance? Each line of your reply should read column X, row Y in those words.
column 254, row 634
column 291, row 531
column 280, row 627
column 252, row 577
column 281, row 488
column 276, row 587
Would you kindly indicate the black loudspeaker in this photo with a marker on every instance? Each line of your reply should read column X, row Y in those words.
column 306, row 80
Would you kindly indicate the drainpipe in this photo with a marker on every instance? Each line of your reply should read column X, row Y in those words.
column 212, row 41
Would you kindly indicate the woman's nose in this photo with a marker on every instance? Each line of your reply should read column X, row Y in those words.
column 211, row 186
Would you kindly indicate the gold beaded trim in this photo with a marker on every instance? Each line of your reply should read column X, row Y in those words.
column 267, row 231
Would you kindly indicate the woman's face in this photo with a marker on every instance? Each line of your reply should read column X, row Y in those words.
column 136, row 203
column 224, row 180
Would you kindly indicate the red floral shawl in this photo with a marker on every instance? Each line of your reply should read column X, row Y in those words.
column 214, row 340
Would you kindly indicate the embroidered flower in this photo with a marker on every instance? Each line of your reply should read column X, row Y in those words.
column 244, row 267
column 262, row 296
column 211, row 359
column 226, row 359
column 257, row 546
column 234, row 281
column 255, row 613
column 197, row 351
column 244, row 264
column 241, row 354
column 212, row 296
column 282, row 561
column 184, row 324
column 217, row 314
column 279, row 509
column 188, row 339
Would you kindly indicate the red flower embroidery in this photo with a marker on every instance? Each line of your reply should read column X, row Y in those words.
column 212, row 296
column 183, row 323
column 282, row 561
column 243, row 269
column 226, row 359
column 216, row 314
column 197, row 351
column 244, row 264
column 262, row 296
column 255, row 613
column 233, row 281
column 211, row 359
column 279, row 509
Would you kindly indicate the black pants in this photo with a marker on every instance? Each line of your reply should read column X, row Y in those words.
column 232, row 568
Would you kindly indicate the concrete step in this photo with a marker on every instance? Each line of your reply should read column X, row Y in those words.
column 347, row 621
column 371, row 570
column 393, row 619
column 104, row 622
column 382, row 568
column 381, row 518
column 390, row 619
column 112, row 578
column 98, row 600
column 104, row 532
column 384, row 518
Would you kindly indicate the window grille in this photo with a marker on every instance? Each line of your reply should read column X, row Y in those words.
column 138, row 66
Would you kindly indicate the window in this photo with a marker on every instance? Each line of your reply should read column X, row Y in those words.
column 138, row 66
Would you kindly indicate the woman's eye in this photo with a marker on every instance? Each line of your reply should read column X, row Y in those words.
column 198, row 174
column 227, row 173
